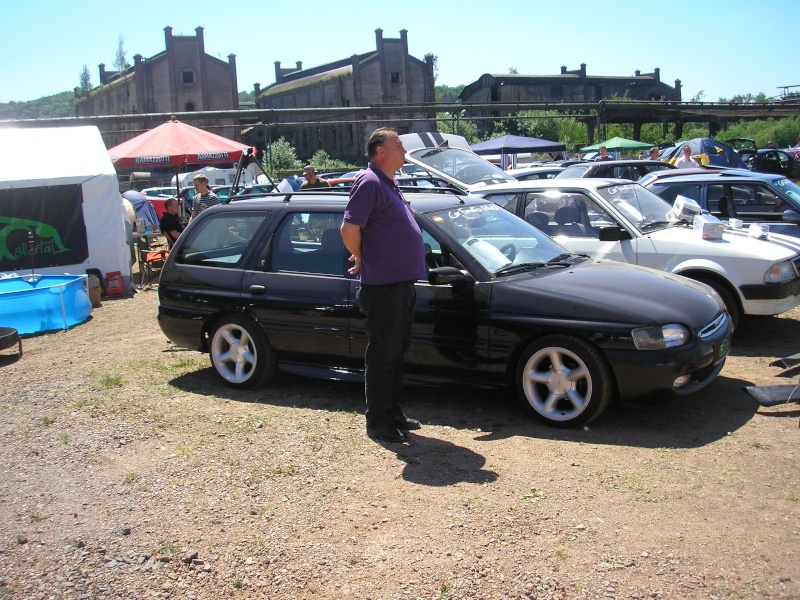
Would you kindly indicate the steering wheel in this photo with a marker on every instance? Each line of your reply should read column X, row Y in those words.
column 510, row 251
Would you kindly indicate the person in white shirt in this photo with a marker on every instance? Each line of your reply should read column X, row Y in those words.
column 687, row 162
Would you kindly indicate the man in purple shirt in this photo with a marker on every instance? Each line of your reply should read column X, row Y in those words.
column 388, row 255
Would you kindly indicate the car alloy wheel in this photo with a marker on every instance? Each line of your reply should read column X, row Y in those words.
column 564, row 380
column 240, row 353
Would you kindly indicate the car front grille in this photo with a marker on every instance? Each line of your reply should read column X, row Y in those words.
column 714, row 326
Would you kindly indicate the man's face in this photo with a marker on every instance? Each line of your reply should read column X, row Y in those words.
column 393, row 152
column 172, row 208
column 687, row 151
column 654, row 154
column 310, row 177
column 200, row 186
column 603, row 152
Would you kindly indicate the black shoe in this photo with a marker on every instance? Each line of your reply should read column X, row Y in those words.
column 403, row 423
column 387, row 433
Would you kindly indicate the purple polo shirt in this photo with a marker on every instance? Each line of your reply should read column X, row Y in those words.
column 392, row 249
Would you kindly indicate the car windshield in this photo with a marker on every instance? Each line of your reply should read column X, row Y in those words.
column 499, row 241
column 640, row 207
column 465, row 166
column 788, row 188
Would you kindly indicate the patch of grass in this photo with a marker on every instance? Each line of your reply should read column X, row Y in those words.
column 443, row 591
column 258, row 543
column 110, row 381
column 36, row 518
column 352, row 561
column 183, row 451
column 562, row 554
column 168, row 547
column 238, row 583
column 130, row 478
column 6, row 591
column 64, row 439
column 760, row 446
column 47, row 421
column 534, row 496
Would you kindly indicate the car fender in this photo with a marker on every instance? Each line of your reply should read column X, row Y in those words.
column 707, row 267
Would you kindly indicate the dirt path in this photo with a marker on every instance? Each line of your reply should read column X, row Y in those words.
column 130, row 471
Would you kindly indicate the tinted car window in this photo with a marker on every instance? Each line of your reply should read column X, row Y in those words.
column 746, row 198
column 671, row 191
column 576, row 171
column 309, row 242
column 221, row 240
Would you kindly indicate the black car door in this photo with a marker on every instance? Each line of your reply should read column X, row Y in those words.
column 450, row 333
column 300, row 292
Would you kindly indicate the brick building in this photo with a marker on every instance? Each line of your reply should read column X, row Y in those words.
column 569, row 86
column 386, row 75
column 182, row 78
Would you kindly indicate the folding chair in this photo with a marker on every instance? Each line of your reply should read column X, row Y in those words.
column 150, row 264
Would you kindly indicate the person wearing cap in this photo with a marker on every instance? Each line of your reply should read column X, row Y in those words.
column 312, row 181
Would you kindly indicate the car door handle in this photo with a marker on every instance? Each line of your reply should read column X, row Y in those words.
column 258, row 289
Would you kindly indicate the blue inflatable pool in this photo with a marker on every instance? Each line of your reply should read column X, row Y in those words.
column 37, row 303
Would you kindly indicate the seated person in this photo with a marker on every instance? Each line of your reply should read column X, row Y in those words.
column 170, row 224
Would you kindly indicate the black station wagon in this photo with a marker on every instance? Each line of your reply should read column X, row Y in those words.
column 262, row 285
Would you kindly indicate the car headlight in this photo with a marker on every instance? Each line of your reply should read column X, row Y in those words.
column 780, row 272
column 658, row 338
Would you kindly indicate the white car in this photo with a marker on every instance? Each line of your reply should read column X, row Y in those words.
column 619, row 220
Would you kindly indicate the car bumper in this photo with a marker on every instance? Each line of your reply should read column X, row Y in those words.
column 677, row 371
column 183, row 327
column 770, row 299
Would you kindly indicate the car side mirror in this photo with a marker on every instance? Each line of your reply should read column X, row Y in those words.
column 445, row 276
column 613, row 234
column 791, row 216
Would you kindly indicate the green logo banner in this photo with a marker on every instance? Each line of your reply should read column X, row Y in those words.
column 53, row 216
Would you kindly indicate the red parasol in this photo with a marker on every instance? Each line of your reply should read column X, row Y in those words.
column 174, row 144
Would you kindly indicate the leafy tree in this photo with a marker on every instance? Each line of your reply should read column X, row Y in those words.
column 120, row 60
column 247, row 96
column 322, row 161
column 49, row 107
column 513, row 71
column 85, row 80
column 284, row 157
column 698, row 97
column 447, row 93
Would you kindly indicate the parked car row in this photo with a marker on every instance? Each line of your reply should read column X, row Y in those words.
column 569, row 291
column 621, row 220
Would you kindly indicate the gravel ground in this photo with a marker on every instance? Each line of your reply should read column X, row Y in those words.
column 130, row 471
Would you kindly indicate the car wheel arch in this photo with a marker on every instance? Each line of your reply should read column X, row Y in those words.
column 724, row 288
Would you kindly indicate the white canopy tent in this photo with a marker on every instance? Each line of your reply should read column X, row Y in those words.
column 59, row 188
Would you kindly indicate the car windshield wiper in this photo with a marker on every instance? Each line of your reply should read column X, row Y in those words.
column 647, row 225
column 559, row 261
column 520, row 267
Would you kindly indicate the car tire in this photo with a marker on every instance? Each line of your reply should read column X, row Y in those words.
column 240, row 353
column 730, row 301
column 564, row 381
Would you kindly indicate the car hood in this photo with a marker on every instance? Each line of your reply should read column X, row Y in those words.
column 733, row 244
column 608, row 291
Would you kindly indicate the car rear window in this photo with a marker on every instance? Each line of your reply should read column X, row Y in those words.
column 221, row 240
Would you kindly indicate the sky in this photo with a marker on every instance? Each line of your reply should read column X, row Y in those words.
column 717, row 49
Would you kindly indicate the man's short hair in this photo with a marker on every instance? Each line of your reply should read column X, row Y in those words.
column 654, row 148
column 603, row 148
column 200, row 177
column 170, row 202
column 377, row 138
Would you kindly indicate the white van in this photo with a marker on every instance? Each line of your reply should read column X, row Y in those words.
column 215, row 177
